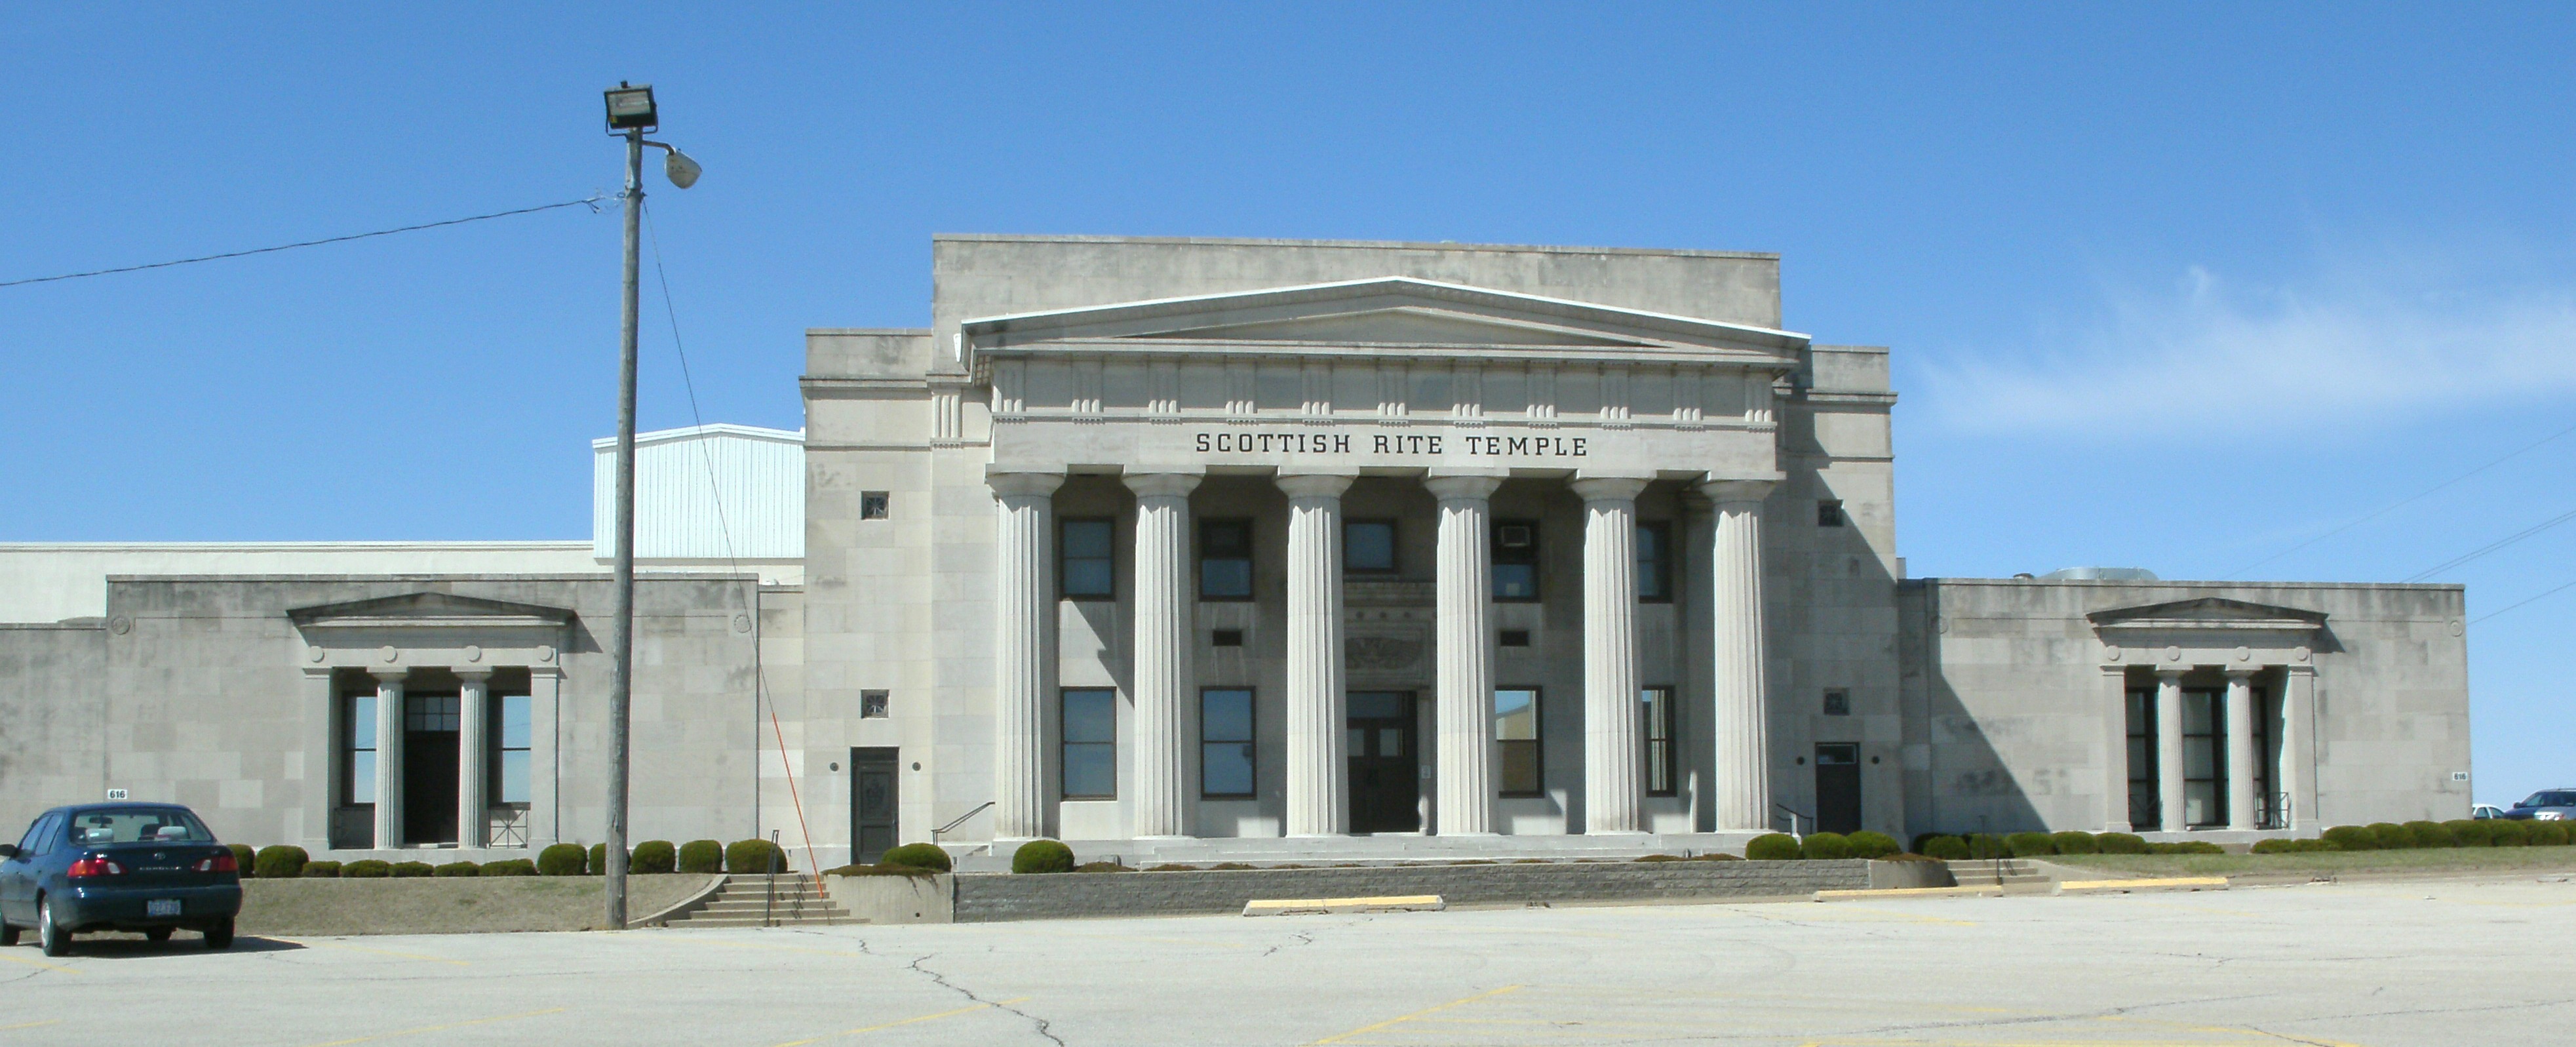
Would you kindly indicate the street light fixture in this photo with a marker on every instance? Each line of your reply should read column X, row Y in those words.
column 631, row 112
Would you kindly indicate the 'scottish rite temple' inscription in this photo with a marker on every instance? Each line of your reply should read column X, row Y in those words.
column 1426, row 444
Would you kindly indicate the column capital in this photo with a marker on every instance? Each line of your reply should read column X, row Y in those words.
column 1324, row 483
column 2243, row 672
column 473, row 675
column 2171, row 674
column 1479, row 484
column 1734, row 490
column 1010, row 483
column 384, row 675
column 1171, row 483
column 1609, row 488
column 2299, row 670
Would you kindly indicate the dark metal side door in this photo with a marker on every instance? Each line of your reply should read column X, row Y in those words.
column 1386, row 785
column 874, row 799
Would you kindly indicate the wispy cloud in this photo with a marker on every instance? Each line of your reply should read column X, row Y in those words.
column 2362, row 346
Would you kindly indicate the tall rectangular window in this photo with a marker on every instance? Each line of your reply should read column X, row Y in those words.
column 1368, row 547
column 1655, row 562
column 1086, row 559
column 1225, row 559
column 1658, row 706
column 2146, row 807
column 1225, row 743
column 1516, row 732
column 1516, row 560
column 513, row 734
column 1090, row 728
column 2204, row 758
column 360, row 785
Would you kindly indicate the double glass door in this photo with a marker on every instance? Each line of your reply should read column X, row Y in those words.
column 1386, row 785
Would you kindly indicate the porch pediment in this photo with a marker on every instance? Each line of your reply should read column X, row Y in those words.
column 2208, row 614
column 429, row 610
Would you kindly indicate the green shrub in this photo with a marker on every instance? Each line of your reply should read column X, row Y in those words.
column 510, row 867
column 2121, row 843
column 367, row 869
column 2470, row 832
column 1947, row 848
column 1824, row 846
column 1867, row 844
column 2075, row 841
column 652, row 856
column 2503, row 832
column 1659, row 858
column 562, row 859
column 1042, row 856
column 2187, row 847
column 702, row 856
column 919, row 856
column 1987, row 845
column 2353, row 838
column 322, row 870
column 753, row 857
column 1772, row 847
column 2431, row 834
column 280, row 862
column 244, row 859
column 458, row 869
column 1717, row 856
column 1102, row 867
column 411, row 870
column 876, row 870
column 2031, row 845
column 2547, row 834
column 2275, row 846
column 2391, row 836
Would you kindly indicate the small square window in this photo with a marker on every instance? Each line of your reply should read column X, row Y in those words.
column 1837, row 703
column 1225, row 638
column 1368, row 546
column 875, row 505
column 873, row 705
column 1829, row 513
column 1515, row 638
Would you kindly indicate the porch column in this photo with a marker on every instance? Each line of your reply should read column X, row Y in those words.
column 2298, row 740
column 472, row 713
column 389, row 758
column 2115, row 763
column 2169, row 788
column 1318, row 768
column 1163, row 645
column 1023, row 612
column 1743, row 766
column 2241, row 805
column 1613, row 789
column 1464, row 679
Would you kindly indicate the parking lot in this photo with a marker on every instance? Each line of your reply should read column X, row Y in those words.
column 2438, row 962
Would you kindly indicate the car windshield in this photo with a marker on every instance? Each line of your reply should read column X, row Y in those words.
column 138, row 825
column 2553, row 798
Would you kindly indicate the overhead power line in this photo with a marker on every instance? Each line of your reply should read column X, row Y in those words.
column 592, row 201
column 2493, row 546
column 2403, row 502
column 2525, row 600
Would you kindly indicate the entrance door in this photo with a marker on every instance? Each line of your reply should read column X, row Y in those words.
column 1838, row 788
column 1386, row 787
column 429, row 768
column 873, row 802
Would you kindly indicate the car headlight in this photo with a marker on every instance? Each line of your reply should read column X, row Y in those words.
column 2549, row 816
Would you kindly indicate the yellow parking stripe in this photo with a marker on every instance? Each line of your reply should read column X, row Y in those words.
column 43, row 964
column 439, row 1028
column 31, row 1025
column 906, row 1021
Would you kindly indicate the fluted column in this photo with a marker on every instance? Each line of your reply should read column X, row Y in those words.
column 2242, row 799
column 1318, row 768
column 1613, row 787
column 1743, row 767
column 389, row 758
column 473, row 706
column 2169, row 769
column 1163, row 607
column 1023, row 612
column 1464, row 680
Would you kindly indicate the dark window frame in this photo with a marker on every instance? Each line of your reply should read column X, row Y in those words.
column 1394, row 548
column 1063, row 564
column 883, row 710
column 1660, row 569
column 1837, row 701
column 1537, row 743
column 497, row 736
column 1829, row 513
column 1208, row 525
column 880, row 501
column 1065, row 745
column 352, row 743
column 1251, row 742
column 1662, row 717
column 1496, row 561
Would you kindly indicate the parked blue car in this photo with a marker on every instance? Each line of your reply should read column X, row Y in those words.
column 152, row 868
column 2547, row 805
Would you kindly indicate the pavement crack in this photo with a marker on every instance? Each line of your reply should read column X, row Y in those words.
column 1303, row 938
column 1042, row 1026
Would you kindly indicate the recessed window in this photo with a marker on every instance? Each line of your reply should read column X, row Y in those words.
column 1225, row 559
column 875, row 705
column 875, row 505
column 1829, row 513
column 1086, row 559
column 1368, row 546
column 359, row 785
column 1516, row 560
column 512, row 733
column 1225, row 638
column 1225, row 743
column 1514, row 638
column 1655, row 562
column 1837, row 703
column 1516, row 738
column 1090, row 729
column 1656, row 704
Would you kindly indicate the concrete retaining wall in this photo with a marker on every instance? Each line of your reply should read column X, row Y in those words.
column 983, row 898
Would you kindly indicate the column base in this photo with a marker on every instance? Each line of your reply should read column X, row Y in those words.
column 1618, row 833
column 1459, row 836
column 2117, row 827
column 1174, row 836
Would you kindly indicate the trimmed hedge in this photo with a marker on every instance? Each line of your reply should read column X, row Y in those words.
column 510, row 867
column 918, row 856
column 596, row 862
column 1867, row 844
column 2121, row 843
column 2031, row 845
column 702, row 856
column 1772, row 847
column 653, row 856
column 367, row 869
column 322, row 870
column 2353, row 838
column 412, row 870
column 2392, row 836
column 2187, row 847
column 1987, row 845
column 2470, row 832
column 244, row 859
column 753, row 857
column 1042, row 856
column 2504, row 832
column 2075, row 841
column 1824, row 846
column 1102, row 867
column 2547, row 834
column 562, row 859
column 1946, row 848
column 280, row 862
column 458, row 869
column 2431, row 834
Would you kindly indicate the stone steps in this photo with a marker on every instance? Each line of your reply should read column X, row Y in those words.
column 2007, row 873
column 747, row 901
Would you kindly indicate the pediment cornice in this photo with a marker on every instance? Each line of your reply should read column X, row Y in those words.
column 2208, row 614
column 429, row 610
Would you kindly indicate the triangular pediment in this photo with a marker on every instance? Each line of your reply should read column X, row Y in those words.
column 429, row 609
column 2208, row 612
column 1404, row 325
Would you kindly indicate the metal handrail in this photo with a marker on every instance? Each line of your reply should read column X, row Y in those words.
column 1795, row 814
column 953, row 823
column 769, row 904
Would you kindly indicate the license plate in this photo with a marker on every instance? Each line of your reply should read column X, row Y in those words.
column 161, row 907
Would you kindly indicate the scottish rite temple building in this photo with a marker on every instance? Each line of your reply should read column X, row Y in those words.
column 1187, row 549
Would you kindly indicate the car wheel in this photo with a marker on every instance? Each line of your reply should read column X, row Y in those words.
column 220, row 935
column 50, row 935
column 158, row 934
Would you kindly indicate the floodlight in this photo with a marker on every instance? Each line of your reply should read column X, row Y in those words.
column 630, row 108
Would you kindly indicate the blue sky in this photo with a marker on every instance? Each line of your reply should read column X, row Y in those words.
column 2178, row 288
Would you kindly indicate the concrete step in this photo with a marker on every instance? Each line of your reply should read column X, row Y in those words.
column 754, row 920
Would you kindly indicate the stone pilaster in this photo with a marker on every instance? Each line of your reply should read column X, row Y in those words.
column 2169, row 770
column 2243, row 800
column 1464, row 679
column 1164, row 604
column 1318, row 767
column 1743, row 765
column 473, row 749
column 2115, row 751
column 389, row 758
column 1613, row 744
column 1023, row 613
column 2298, row 777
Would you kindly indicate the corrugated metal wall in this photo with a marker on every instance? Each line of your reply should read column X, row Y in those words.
column 695, row 487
